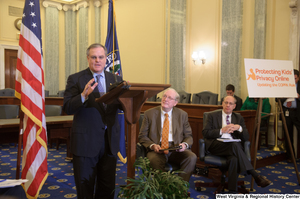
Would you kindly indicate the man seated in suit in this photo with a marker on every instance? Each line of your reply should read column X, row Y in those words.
column 227, row 124
column 230, row 89
column 167, row 126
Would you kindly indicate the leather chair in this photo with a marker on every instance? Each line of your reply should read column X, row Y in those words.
column 61, row 93
column 8, row 111
column 184, row 97
column 7, row 92
column 205, row 97
column 264, row 130
column 213, row 161
column 152, row 99
column 46, row 93
column 54, row 134
column 141, row 151
column 52, row 110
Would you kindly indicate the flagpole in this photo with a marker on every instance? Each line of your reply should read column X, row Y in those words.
column 113, row 55
column 20, row 138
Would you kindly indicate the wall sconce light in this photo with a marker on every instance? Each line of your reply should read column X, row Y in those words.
column 199, row 56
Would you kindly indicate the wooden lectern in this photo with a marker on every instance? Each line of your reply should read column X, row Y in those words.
column 132, row 97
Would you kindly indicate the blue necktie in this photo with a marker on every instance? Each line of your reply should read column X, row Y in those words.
column 100, row 87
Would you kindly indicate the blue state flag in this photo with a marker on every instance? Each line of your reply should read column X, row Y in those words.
column 113, row 61
column 113, row 65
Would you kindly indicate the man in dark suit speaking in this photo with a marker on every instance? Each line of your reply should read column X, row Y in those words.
column 167, row 126
column 95, row 129
column 230, row 125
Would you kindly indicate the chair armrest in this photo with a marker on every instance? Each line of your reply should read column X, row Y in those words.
column 201, row 149
column 247, row 150
column 141, row 151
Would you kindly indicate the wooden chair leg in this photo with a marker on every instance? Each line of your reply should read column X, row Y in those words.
column 266, row 139
column 57, row 143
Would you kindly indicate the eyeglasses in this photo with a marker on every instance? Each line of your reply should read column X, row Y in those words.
column 230, row 103
column 168, row 97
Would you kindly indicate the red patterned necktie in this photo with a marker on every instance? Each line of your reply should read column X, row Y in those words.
column 289, row 104
column 165, row 134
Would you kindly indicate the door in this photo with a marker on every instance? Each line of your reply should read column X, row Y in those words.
column 11, row 57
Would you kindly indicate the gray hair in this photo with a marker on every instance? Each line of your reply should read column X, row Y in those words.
column 177, row 96
column 95, row 45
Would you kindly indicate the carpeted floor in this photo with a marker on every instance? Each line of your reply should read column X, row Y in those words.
column 60, row 183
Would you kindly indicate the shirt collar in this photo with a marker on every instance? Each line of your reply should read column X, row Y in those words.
column 225, row 114
column 95, row 74
column 163, row 112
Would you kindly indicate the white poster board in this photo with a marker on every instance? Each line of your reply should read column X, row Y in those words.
column 270, row 78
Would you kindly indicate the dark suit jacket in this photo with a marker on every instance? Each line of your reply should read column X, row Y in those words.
column 239, row 103
column 150, row 132
column 213, row 124
column 297, row 100
column 90, row 118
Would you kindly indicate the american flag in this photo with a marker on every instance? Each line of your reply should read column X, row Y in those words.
column 30, row 90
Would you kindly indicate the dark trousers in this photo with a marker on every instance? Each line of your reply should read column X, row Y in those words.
column 100, row 169
column 16, row 192
column 237, row 160
column 291, row 120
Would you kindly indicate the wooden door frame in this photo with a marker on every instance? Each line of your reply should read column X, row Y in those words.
column 3, row 47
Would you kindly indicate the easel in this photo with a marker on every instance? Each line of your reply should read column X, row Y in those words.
column 257, row 127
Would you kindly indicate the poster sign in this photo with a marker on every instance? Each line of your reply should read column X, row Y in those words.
column 270, row 78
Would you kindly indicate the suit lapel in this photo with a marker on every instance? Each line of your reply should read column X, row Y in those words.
column 109, row 79
column 219, row 119
column 234, row 121
column 95, row 94
column 87, row 77
column 174, row 123
column 157, row 115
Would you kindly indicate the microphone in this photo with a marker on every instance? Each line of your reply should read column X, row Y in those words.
column 114, row 85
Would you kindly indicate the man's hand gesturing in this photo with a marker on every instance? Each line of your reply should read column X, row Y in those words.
column 88, row 89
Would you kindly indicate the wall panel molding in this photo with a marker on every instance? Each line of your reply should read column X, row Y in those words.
column 294, row 33
column 69, row 7
column 52, row 4
column 52, row 50
column 176, row 43
column 83, row 36
column 260, row 26
column 231, row 45
column 83, row 4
